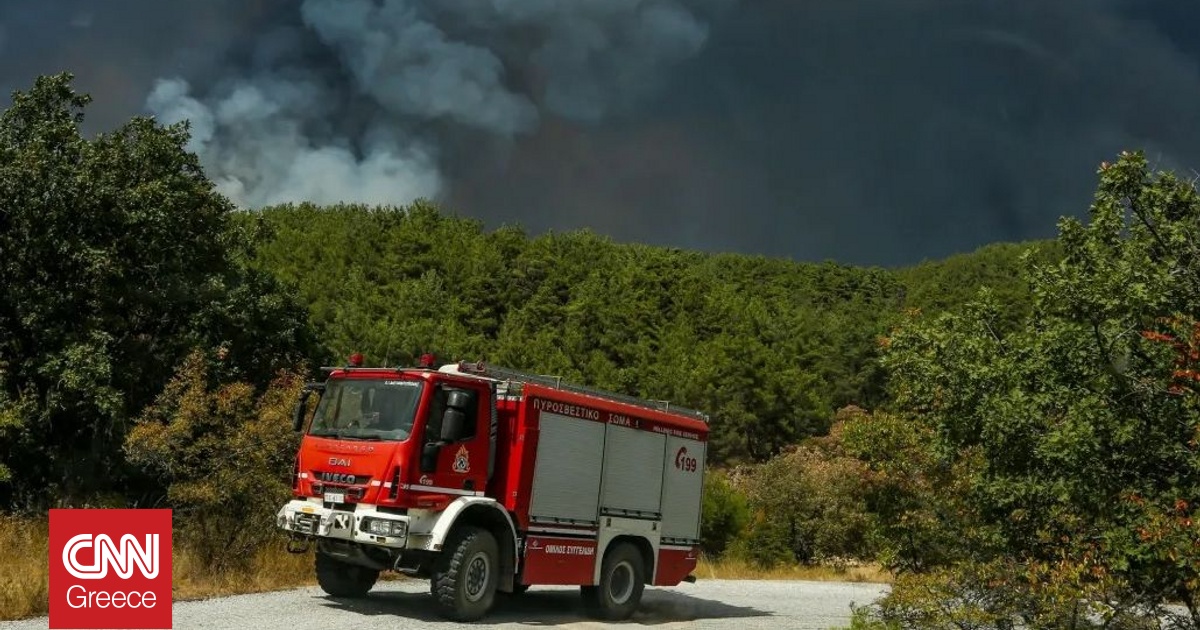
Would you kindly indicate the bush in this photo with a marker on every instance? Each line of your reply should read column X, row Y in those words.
column 1004, row 594
column 808, row 505
column 919, row 504
column 225, row 455
column 766, row 543
column 725, row 516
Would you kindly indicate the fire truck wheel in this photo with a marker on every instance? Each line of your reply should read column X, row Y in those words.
column 464, row 583
column 622, row 580
column 340, row 579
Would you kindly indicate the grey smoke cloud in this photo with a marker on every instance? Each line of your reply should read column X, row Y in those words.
column 594, row 58
column 265, row 136
column 256, row 146
column 871, row 131
column 408, row 65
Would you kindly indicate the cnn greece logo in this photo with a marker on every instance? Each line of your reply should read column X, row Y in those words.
column 114, row 569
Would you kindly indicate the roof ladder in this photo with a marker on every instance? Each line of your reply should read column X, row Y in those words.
column 519, row 377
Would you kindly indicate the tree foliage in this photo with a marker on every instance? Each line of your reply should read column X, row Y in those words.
column 1083, row 417
column 116, row 258
column 937, row 286
column 919, row 504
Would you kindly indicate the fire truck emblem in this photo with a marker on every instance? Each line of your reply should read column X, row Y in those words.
column 462, row 460
column 685, row 462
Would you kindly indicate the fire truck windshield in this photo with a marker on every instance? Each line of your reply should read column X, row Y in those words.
column 362, row 409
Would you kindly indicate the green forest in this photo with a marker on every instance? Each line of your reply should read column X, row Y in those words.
column 1013, row 431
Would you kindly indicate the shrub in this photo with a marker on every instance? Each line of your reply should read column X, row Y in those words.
column 766, row 542
column 808, row 505
column 225, row 455
column 1006, row 593
column 726, row 514
column 919, row 504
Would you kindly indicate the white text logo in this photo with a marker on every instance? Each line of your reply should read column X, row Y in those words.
column 107, row 553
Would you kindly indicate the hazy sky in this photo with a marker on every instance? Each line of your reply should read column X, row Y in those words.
column 865, row 131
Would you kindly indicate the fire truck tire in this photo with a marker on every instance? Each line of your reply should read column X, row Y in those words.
column 464, row 583
column 341, row 579
column 622, row 580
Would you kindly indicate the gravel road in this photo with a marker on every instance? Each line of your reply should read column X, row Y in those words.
column 397, row 605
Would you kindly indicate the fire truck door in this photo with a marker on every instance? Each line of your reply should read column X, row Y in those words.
column 462, row 464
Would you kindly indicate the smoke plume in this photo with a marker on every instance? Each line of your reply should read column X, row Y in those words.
column 872, row 131
column 365, row 123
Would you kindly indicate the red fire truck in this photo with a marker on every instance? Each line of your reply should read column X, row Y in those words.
column 485, row 479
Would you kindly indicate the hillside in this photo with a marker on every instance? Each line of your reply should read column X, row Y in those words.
column 770, row 347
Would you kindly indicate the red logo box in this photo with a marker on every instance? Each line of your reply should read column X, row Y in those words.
column 110, row 569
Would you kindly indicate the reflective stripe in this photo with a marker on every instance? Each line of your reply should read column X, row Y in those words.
column 465, row 493
column 554, row 530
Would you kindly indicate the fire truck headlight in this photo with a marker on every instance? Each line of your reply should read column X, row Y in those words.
column 383, row 527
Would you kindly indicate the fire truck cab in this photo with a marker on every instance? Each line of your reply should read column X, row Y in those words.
column 484, row 480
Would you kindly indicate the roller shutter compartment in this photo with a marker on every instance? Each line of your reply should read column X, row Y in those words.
column 633, row 472
column 683, row 484
column 566, row 477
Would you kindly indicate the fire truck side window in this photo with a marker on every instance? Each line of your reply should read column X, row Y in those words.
column 433, row 427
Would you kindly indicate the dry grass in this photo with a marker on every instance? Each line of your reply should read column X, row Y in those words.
column 731, row 569
column 272, row 569
column 24, row 579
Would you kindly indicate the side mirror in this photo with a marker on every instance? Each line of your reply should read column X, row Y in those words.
column 459, row 399
column 429, row 455
column 302, row 404
column 298, row 412
column 453, row 423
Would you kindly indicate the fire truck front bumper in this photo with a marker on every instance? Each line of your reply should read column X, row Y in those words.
column 364, row 525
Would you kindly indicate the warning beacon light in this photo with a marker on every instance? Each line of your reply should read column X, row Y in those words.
column 427, row 360
column 356, row 359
